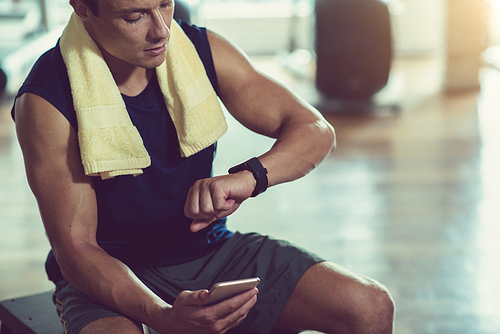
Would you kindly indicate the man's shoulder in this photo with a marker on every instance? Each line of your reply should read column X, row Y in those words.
column 48, row 64
column 48, row 79
column 197, row 35
column 191, row 30
column 49, row 72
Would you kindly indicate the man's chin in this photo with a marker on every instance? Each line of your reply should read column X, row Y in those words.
column 154, row 63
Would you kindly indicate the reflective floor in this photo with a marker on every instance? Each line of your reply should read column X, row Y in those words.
column 409, row 198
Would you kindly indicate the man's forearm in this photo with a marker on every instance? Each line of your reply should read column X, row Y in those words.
column 110, row 282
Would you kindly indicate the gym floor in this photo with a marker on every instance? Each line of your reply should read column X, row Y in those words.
column 409, row 198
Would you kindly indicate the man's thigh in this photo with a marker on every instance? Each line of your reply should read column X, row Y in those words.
column 278, row 263
column 331, row 299
column 80, row 315
column 112, row 325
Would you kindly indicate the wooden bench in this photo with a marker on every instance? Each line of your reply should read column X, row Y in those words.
column 30, row 315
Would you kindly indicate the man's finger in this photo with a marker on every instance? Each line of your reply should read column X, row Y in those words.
column 200, row 224
column 198, row 298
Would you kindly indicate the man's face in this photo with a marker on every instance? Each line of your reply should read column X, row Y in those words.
column 132, row 31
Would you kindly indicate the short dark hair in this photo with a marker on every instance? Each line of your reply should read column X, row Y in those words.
column 93, row 6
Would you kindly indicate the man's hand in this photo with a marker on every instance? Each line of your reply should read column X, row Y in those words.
column 217, row 197
column 189, row 315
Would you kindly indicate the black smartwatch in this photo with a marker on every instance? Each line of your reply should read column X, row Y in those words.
column 259, row 173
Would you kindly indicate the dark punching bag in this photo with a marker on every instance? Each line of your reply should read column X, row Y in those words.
column 353, row 48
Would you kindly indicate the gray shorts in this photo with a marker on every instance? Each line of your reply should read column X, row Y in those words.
column 278, row 263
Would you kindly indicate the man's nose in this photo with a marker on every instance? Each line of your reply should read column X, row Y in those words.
column 159, row 28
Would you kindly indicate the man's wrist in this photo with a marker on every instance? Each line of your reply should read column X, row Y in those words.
column 258, row 171
column 159, row 317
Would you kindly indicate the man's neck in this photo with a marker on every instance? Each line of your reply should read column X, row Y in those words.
column 131, row 80
column 133, row 84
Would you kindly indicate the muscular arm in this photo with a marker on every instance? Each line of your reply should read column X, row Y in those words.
column 303, row 137
column 68, row 207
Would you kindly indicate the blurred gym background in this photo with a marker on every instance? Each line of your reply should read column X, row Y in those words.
column 455, row 30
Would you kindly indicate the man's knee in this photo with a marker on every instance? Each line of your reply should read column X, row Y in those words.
column 375, row 309
column 366, row 306
column 332, row 299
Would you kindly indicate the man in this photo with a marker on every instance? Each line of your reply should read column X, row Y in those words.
column 112, row 280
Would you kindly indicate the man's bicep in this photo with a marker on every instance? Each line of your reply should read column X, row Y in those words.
column 258, row 102
column 65, row 196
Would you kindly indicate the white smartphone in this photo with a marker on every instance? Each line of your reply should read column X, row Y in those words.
column 225, row 290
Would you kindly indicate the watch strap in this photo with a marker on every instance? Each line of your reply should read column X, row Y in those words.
column 259, row 173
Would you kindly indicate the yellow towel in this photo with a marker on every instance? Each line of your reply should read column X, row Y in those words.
column 110, row 144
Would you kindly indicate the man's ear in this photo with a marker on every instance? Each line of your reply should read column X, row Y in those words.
column 80, row 9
